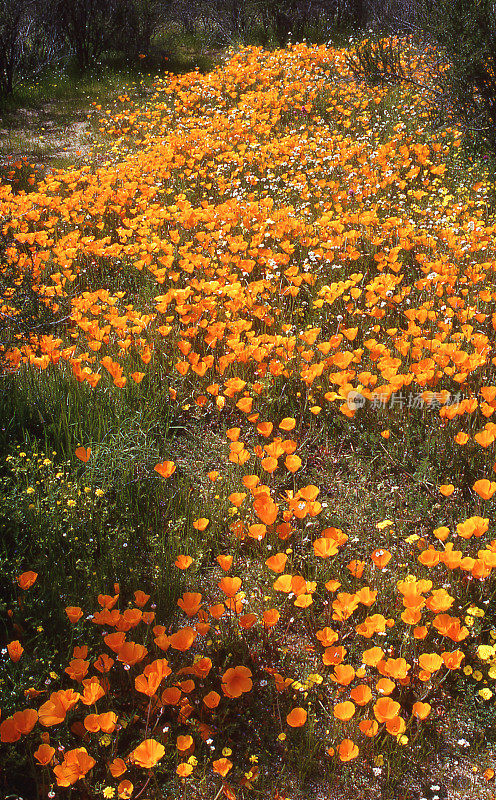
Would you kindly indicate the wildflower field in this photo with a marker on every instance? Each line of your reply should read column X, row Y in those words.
column 248, row 370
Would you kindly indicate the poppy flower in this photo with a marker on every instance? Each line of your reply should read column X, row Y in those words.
column 148, row 753
column 287, row 424
column 212, row 700
column 225, row 562
column 484, row 488
column 15, row 650
column 230, row 586
column 83, row 453
column 236, row 681
column 183, row 639
column 361, row 694
column 271, row 617
column 131, row 653
column 386, row 709
column 236, row 498
column 347, row 750
column 297, row 717
column 343, row 674
column 75, row 765
column 247, row 621
column 265, row 509
column 344, row 711
column 421, row 710
column 372, row 656
column 396, row 726
column 171, row 696
column 184, row 769
column 27, row 579
column 125, row 789
column 201, row 523
column 257, row 532
column 385, row 686
column 44, row 754
column 324, row 547
column 293, row 463
column 183, row 562
column 277, row 562
column 265, row 428
column 453, row 660
column 9, row 732
column 25, row 720
column 368, row 727
column 74, row 613
column 190, row 603
column 222, row 766
column 185, row 743
column 117, row 767
column 380, row 557
column 140, row 598
column 165, row 469
column 447, row 489
column 217, row 610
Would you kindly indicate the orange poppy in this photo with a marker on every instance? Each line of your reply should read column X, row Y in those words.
column 277, row 562
column 212, row 699
column 26, row 579
column 343, row 674
column 83, row 453
column 225, row 562
column 324, row 548
column 190, row 603
column 421, row 710
column 484, row 488
column 183, row 639
column 74, row 613
column 140, row 598
column 453, row 660
column 236, row 681
column 9, row 732
column 344, row 711
column 44, row 754
column 165, row 469
column 230, row 586
column 183, row 562
column 327, row 636
column 380, row 557
column 222, row 766
column 271, row 617
column 131, row 653
column 171, row 696
column 125, row 789
column 265, row 509
column 347, row 750
column 148, row 753
column 386, row 709
column 297, row 717
column 247, row 621
column 361, row 694
column 185, row 743
column 117, row 767
column 293, row 463
column 15, row 650
column 25, row 720
column 368, row 727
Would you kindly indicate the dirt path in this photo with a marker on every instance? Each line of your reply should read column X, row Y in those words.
column 55, row 134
